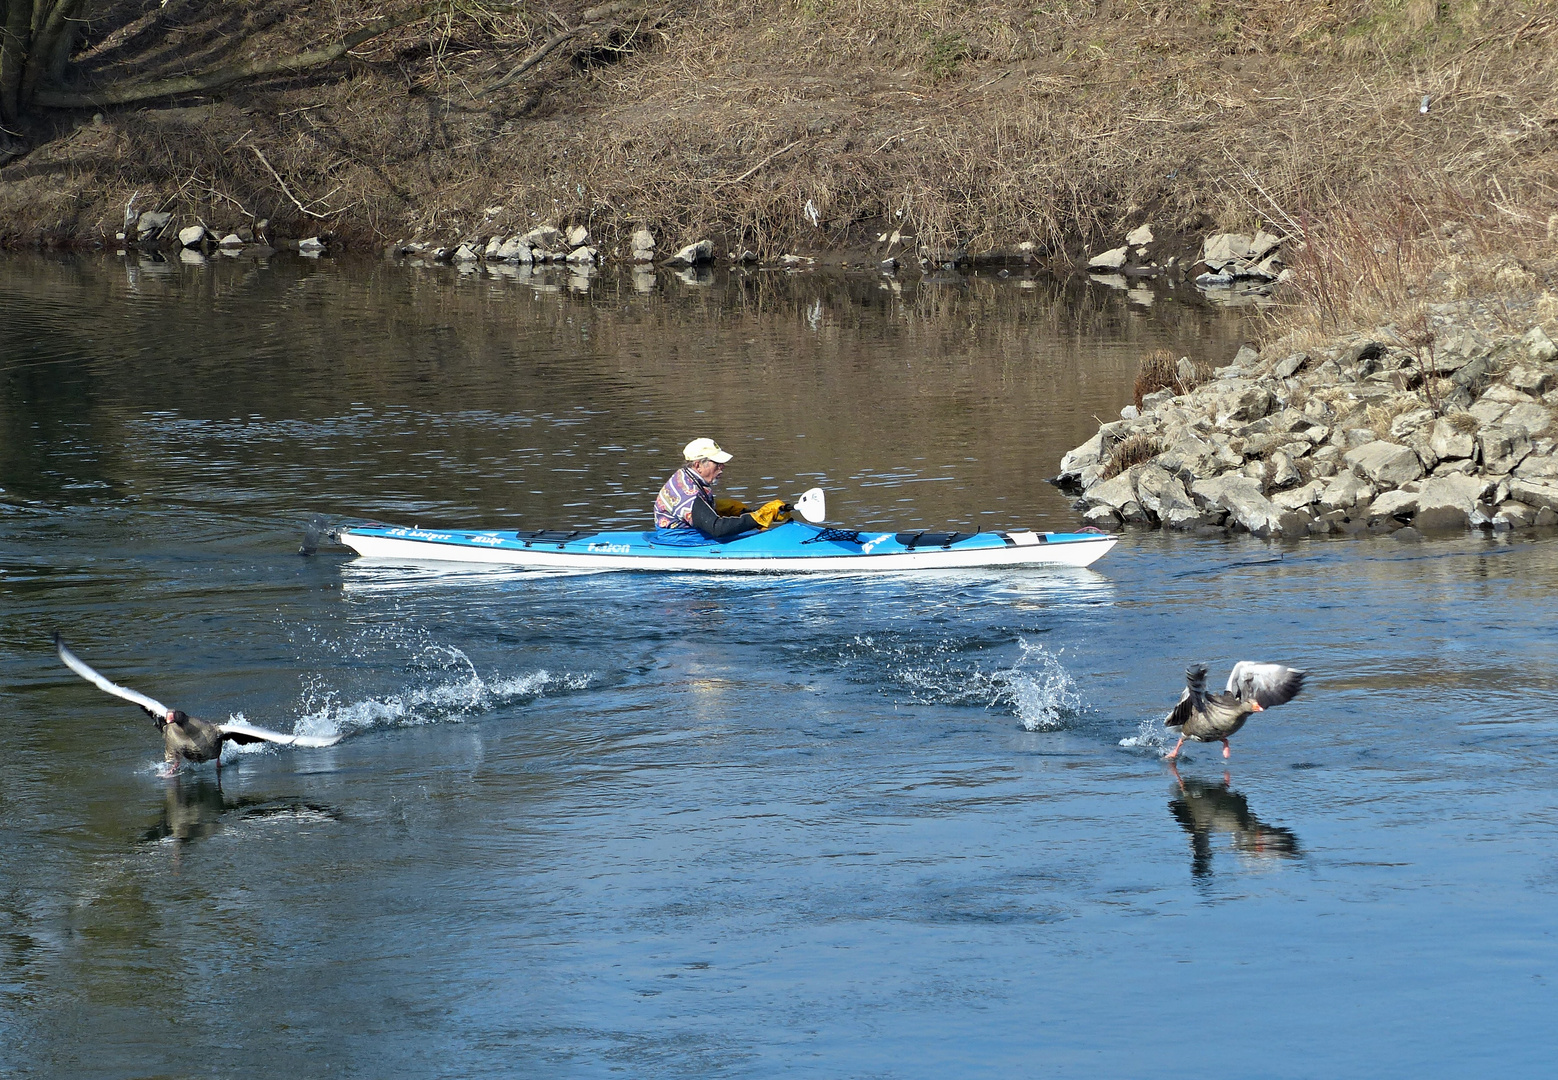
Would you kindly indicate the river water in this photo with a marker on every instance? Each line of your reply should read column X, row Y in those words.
column 647, row 825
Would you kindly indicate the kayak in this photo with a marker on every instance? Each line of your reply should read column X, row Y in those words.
column 794, row 547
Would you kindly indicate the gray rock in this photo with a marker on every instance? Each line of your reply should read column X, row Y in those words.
column 493, row 246
column 1512, row 514
column 1345, row 492
column 1448, row 502
column 1534, row 493
column 1504, row 446
column 1449, row 441
column 1284, row 474
column 1290, row 366
column 1164, row 496
column 1307, row 495
column 1546, row 518
column 643, row 245
column 1538, row 467
column 1248, row 402
column 582, row 255
column 1116, row 492
column 1539, row 346
column 1388, row 464
column 1223, row 248
column 462, row 254
column 1089, row 453
column 1262, row 245
column 693, row 254
column 192, row 236
column 578, row 237
column 311, row 245
column 1527, row 378
column 231, row 241
column 1139, row 236
column 515, row 250
column 1241, row 497
column 1408, row 535
column 1109, row 260
column 1103, row 517
column 1531, row 415
column 151, row 223
column 1392, row 504
column 1405, row 424
column 544, row 238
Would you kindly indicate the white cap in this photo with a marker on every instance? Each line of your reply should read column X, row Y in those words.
column 699, row 449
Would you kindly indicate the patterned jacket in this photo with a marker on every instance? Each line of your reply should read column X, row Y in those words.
column 673, row 506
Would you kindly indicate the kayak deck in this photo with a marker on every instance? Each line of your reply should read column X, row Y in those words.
column 789, row 548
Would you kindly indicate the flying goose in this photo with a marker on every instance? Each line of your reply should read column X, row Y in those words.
column 183, row 736
column 1252, row 687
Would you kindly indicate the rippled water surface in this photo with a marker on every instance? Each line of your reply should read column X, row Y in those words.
column 644, row 825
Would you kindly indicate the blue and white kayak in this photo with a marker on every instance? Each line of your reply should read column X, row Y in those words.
column 794, row 547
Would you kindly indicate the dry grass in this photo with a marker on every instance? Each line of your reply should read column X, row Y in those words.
column 1138, row 449
column 1160, row 371
column 965, row 127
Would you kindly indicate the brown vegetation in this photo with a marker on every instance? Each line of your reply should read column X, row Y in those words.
column 1138, row 449
column 815, row 124
column 1159, row 370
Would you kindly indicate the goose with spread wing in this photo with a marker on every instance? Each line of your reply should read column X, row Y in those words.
column 1252, row 687
column 185, row 737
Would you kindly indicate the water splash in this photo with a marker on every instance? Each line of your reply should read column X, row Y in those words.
column 1150, row 735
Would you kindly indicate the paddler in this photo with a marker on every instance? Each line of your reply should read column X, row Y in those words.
column 686, row 508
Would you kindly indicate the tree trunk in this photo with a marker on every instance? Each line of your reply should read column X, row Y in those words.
column 54, row 35
column 15, row 36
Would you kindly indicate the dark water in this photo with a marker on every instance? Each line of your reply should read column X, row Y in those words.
column 664, row 826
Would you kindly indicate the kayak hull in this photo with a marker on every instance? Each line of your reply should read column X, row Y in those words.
column 790, row 548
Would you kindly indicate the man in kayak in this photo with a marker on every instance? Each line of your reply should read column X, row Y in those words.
column 686, row 508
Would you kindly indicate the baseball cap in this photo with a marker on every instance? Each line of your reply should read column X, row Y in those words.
column 699, row 449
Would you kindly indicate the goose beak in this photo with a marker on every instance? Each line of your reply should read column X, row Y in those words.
column 1256, row 706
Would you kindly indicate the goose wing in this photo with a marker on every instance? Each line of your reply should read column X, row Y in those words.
column 1190, row 698
column 80, row 667
column 1266, row 684
column 240, row 732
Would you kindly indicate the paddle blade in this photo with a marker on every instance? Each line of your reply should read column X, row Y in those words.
column 318, row 528
column 813, row 506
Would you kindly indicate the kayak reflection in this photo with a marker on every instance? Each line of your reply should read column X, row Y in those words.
column 1204, row 809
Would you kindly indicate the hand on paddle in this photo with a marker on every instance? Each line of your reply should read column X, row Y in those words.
column 776, row 512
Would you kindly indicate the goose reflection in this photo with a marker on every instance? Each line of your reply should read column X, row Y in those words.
column 1204, row 809
column 194, row 809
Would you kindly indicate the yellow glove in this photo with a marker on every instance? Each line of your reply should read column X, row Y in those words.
column 729, row 507
column 772, row 513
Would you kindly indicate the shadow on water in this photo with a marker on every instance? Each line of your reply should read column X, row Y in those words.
column 1205, row 809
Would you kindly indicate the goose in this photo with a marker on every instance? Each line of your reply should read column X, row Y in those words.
column 1252, row 687
column 185, row 737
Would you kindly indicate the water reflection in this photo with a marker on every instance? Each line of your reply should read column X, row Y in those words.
column 196, row 808
column 1204, row 809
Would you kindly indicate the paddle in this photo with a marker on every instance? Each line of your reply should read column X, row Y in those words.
column 812, row 505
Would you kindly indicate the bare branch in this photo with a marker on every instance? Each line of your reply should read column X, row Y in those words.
column 591, row 16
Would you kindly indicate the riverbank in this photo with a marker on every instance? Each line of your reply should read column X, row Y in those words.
column 936, row 132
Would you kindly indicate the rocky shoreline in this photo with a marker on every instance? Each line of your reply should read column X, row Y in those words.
column 1448, row 427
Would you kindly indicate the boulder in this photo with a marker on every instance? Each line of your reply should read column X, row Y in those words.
column 1307, row 495
column 1284, row 473
column 578, row 237
column 582, row 255
column 1539, row 346
column 1103, row 517
column 1392, row 504
column 1538, row 467
column 311, row 245
column 1140, row 236
column 1088, row 454
column 1448, row 441
column 1512, row 514
column 1247, row 402
column 1388, row 464
column 1534, row 493
column 231, row 241
column 544, row 238
column 151, row 223
column 465, row 253
column 1527, row 378
column 1163, row 495
column 1116, row 492
column 1531, row 415
column 1223, row 248
column 693, row 254
column 1503, row 448
column 1289, row 366
column 1241, row 497
column 193, row 236
column 515, row 250
column 1345, row 491
column 1448, row 502
column 493, row 246
column 643, row 245
column 1109, row 260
